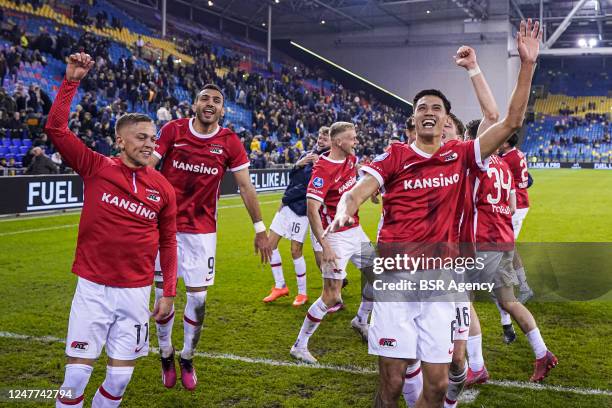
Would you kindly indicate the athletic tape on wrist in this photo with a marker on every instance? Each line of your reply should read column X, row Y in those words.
column 259, row 227
column 474, row 71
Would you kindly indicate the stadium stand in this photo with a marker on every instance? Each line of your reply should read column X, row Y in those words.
column 276, row 108
column 571, row 112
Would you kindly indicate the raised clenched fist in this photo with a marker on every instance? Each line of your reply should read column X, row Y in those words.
column 466, row 57
column 78, row 66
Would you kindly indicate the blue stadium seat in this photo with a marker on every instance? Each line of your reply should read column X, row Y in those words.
column 6, row 141
column 16, row 141
column 13, row 149
column 23, row 149
column 27, row 142
column 4, row 150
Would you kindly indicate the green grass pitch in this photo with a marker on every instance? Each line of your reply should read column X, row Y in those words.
column 37, row 287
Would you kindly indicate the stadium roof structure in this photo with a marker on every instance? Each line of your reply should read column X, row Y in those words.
column 566, row 22
column 299, row 17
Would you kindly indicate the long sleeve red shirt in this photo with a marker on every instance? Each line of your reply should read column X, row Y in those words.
column 128, row 213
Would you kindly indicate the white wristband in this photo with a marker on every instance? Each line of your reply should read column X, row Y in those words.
column 259, row 227
column 474, row 72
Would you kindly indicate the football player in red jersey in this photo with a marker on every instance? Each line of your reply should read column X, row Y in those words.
column 518, row 165
column 333, row 175
column 494, row 203
column 110, row 307
column 423, row 183
column 196, row 153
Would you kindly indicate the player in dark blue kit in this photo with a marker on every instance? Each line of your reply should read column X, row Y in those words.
column 291, row 222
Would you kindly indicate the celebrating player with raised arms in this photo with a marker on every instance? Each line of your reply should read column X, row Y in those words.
column 129, row 212
column 423, row 183
column 196, row 153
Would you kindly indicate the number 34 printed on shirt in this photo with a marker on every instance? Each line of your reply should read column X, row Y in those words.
column 502, row 183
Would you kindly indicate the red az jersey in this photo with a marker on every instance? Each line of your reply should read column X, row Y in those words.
column 466, row 217
column 329, row 180
column 518, row 166
column 423, row 193
column 194, row 164
column 492, row 216
column 128, row 213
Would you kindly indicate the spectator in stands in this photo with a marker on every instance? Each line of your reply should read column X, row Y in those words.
column 163, row 114
column 16, row 125
column 7, row 103
column 3, row 67
column 41, row 163
column 139, row 44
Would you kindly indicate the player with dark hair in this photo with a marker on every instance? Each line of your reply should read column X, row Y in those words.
column 423, row 183
column 291, row 222
column 129, row 212
column 196, row 153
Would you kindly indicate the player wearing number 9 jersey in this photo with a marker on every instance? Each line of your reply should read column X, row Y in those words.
column 518, row 166
column 196, row 153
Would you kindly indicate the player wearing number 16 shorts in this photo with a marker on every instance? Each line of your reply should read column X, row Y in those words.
column 291, row 222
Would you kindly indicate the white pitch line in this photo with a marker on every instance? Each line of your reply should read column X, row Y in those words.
column 4, row 234
column 346, row 369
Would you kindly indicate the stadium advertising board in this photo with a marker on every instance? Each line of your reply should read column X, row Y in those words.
column 262, row 179
column 23, row 194
column 559, row 165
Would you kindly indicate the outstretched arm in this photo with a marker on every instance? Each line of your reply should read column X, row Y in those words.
column 528, row 44
column 249, row 197
column 351, row 201
column 466, row 58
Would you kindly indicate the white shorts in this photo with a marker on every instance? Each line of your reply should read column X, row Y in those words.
column 461, row 322
column 195, row 259
column 105, row 315
column 289, row 225
column 315, row 244
column 415, row 330
column 349, row 245
column 517, row 220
